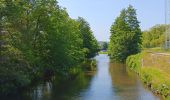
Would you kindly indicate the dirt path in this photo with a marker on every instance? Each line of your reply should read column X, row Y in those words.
column 157, row 60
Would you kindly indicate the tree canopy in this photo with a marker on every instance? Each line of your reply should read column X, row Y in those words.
column 90, row 44
column 125, row 36
column 103, row 45
column 154, row 37
column 39, row 38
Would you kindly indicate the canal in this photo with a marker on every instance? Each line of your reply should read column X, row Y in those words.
column 111, row 81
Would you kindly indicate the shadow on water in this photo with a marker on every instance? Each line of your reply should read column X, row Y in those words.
column 58, row 90
column 63, row 90
column 111, row 82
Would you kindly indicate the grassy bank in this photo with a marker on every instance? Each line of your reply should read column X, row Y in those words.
column 155, row 77
column 103, row 52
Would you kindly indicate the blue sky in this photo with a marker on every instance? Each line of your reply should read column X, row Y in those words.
column 101, row 13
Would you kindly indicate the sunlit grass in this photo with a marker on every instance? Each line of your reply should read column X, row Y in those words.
column 159, row 61
column 103, row 52
column 154, row 71
column 157, row 80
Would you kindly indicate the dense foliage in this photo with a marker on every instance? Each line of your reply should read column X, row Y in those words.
column 103, row 45
column 89, row 42
column 125, row 36
column 39, row 38
column 154, row 37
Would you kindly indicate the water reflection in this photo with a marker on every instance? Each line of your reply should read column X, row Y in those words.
column 126, row 85
column 63, row 90
column 111, row 82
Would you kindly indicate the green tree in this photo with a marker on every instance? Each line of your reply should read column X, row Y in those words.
column 90, row 44
column 125, row 36
column 14, row 69
column 38, row 38
column 105, row 46
column 154, row 37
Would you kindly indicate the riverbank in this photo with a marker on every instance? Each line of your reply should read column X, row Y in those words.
column 153, row 69
column 103, row 52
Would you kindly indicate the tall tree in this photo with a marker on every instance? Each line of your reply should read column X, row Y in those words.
column 90, row 44
column 125, row 36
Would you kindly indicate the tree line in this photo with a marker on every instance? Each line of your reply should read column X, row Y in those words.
column 39, row 38
column 103, row 45
column 155, row 36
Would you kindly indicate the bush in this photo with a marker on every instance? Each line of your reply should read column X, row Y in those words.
column 134, row 62
column 89, row 65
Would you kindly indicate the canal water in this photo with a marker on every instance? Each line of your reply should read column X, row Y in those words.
column 111, row 81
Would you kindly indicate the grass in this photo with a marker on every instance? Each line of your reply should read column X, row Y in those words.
column 153, row 71
column 157, row 80
column 102, row 52
column 161, row 62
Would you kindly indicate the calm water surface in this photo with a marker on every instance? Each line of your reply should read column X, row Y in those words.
column 111, row 82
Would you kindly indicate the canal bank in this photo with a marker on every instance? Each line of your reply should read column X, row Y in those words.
column 153, row 69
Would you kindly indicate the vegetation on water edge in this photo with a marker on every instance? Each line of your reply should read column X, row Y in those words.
column 157, row 80
column 39, row 39
column 89, row 65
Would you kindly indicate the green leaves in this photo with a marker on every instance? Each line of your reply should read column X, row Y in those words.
column 125, row 36
column 154, row 37
column 40, row 38
column 89, row 41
